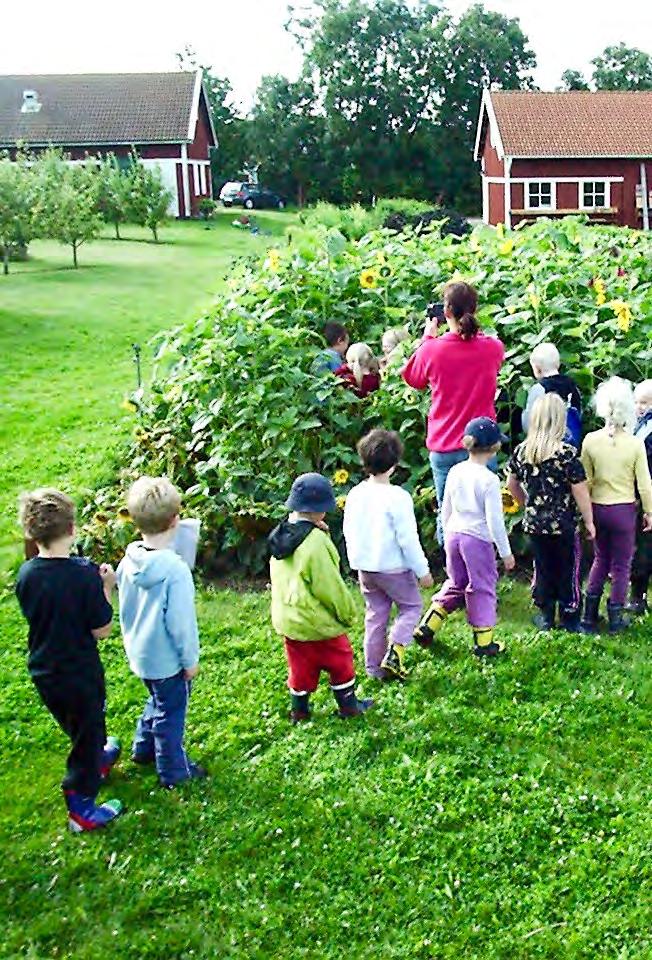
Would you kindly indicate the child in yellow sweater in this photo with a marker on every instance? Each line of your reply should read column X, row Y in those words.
column 616, row 464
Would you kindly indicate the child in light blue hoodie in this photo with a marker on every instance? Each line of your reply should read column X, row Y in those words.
column 159, row 627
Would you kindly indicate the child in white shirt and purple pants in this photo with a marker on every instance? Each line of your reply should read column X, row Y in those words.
column 382, row 543
column 472, row 518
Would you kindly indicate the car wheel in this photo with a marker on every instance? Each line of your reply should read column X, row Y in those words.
column 249, row 204
column 281, row 205
column 227, row 203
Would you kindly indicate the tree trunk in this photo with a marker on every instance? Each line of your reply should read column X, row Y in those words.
column 300, row 195
column 74, row 255
column 155, row 232
column 117, row 230
column 5, row 260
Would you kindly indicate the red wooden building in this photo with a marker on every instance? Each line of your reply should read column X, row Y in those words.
column 163, row 116
column 552, row 154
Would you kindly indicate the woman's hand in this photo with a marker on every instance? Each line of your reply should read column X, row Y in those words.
column 431, row 327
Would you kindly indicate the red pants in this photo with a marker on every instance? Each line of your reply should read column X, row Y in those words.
column 307, row 658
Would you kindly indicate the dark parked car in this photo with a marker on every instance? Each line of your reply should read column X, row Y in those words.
column 250, row 196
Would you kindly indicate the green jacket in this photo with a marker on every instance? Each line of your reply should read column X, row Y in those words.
column 310, row 600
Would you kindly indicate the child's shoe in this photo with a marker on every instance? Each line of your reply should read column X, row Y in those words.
column 300, row 710
column 84, row 814
column 430, row 624
column 618, row 619
column 569, row 619
column 591, row 620
column 394, row 662
column 484, row 644
column 348, row 704
column 195, row 772
column 110, row 756
column 544, row 618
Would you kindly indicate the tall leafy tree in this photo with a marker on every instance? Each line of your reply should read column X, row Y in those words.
column 622, row 68
column 18, row 222
column 66, row 206
column 113, row 193
column 149, row 199
column 573, row 80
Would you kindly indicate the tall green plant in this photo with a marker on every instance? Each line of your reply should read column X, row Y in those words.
column 113, row 193
column 148, row 198
column 18, row 223
column 66, row 208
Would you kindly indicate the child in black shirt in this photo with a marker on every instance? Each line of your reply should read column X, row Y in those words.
column 66, row 603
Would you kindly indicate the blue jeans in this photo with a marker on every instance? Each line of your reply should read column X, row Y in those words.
column 441, row 464
column 160, row 729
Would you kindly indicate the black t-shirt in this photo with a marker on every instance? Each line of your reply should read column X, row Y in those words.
column 63, row 600
column 549, row 503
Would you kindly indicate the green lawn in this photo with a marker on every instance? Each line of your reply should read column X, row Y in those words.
column 496, row 811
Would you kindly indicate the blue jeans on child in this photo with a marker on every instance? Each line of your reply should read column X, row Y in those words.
column 441, row 464
column 160, row 729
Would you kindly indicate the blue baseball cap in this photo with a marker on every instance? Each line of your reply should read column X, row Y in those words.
column 311, row 493
column 485, row 432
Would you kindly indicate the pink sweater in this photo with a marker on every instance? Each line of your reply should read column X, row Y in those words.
column 462, row 375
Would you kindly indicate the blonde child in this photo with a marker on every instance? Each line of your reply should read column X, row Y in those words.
column 390, row 341
column 361, row 372
column 382, row 543
column 642, row 565
column 472, row 518
column 546, row 476
column 615, row 464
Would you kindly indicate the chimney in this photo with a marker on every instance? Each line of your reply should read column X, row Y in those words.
column 31, row 102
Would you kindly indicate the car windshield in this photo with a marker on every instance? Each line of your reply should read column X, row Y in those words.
column 228, row 187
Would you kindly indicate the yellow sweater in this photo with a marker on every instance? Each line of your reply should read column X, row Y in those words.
column 613, row 465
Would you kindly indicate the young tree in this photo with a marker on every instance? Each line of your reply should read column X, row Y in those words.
column 17, row 198
column 573, row 80
column 67, row 200
column 112, row 193
column 149, row 199
column 622, row 68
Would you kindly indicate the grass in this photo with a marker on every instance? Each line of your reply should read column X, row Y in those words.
column 496, row 811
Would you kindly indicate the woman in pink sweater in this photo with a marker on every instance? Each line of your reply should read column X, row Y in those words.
column 461, row 368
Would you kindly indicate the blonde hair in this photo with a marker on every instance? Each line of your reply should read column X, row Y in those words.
column 153, row 503
column 46, row 514
column 392, row 337
column 643, row 390
column 546, row 357
column 614, row 403
column 472, row 446
column 361, row 360
column 546, row 429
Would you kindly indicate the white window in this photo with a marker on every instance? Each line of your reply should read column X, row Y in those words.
column 540, row 195
column 594, row 194
column 195, row 177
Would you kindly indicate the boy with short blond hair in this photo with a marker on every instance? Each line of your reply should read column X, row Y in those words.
column 545, row 362
column 159, row 627
column 66, row 601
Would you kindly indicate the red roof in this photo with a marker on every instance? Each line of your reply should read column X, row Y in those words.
column 577, row 124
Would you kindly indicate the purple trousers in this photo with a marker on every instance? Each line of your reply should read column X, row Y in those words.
column 380, row 591
column 615, row 541
column 472, row 578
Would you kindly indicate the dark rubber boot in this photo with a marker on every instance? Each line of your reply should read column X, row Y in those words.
column 589, row 622
column 618, row 619
column 569, row 619
column 300, row 707
column 638, row 597
column 544, row 618
column 348, row 704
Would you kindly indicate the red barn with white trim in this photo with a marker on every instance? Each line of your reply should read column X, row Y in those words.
column 165, row 117
column 553, row 154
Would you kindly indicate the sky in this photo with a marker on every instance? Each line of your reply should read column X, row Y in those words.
column 245, row 39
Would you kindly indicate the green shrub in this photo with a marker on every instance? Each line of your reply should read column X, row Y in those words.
column 234, row 413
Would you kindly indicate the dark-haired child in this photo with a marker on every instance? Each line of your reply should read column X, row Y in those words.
column 382, row 543
column 472, row 518
column 333, row 356
column 66, row 603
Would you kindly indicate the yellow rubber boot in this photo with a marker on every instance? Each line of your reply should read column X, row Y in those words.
column 394, row 662
column 484, row 644
column 433, row 621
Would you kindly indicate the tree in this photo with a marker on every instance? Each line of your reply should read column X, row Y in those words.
column 112, row 193
column 149, row 199
column 622, row 68
column 67, row 200
column 17, row 197
column 573, row 80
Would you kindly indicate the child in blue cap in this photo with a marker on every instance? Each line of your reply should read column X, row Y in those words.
column 472, row 519
column 311, row 605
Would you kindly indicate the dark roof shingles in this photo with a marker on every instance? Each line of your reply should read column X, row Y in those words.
column 576, row 124
column 97, row 108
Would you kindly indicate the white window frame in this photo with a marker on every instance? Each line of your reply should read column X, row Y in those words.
column 195, row 178
column 592, row 206
column 202, row 178
column 553, row 194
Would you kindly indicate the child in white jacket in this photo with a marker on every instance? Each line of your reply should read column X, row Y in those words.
column 382, row 544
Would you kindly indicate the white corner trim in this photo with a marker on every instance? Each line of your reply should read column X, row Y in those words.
column 194, row 109
column 645, row 198
column 508, row 193
column 487, row 106
column 485, row 199
column 187, row 212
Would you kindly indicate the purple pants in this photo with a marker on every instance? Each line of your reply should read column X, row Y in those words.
column 615, row 541
column 380, row 591
column 472, row 578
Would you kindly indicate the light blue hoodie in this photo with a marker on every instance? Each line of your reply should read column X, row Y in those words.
column 157, row 612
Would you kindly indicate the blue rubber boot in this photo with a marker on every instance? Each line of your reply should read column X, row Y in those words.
column 110, row 756
column 348, row 704
column 85, row 815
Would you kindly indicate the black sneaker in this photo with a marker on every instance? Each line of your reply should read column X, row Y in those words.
column 196, row 772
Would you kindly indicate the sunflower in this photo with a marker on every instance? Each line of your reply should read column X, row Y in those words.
column 129, row 405
column 101, row 519
column 623, row 313
column 341, row 502
column 123, row 514
column 506, row 247
column 340, row 477
column 369, row 279
column 273, row 261
column 510, row 503
column 535, row 300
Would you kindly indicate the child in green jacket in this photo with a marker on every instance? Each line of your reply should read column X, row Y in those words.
column 311, row 605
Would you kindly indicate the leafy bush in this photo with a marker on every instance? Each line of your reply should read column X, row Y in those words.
column 445, row 220
column 393, row 213
column 234, row 413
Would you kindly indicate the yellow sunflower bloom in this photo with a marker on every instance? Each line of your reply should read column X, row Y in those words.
column 273, row 261
column 511, row 309
column 129, row 405
column 341, row 502
column 506, row 247
column 600, row 300
column 340, row 477
column 510, row 503
column 369, row 279
column 535, row 300
column 623, row 313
